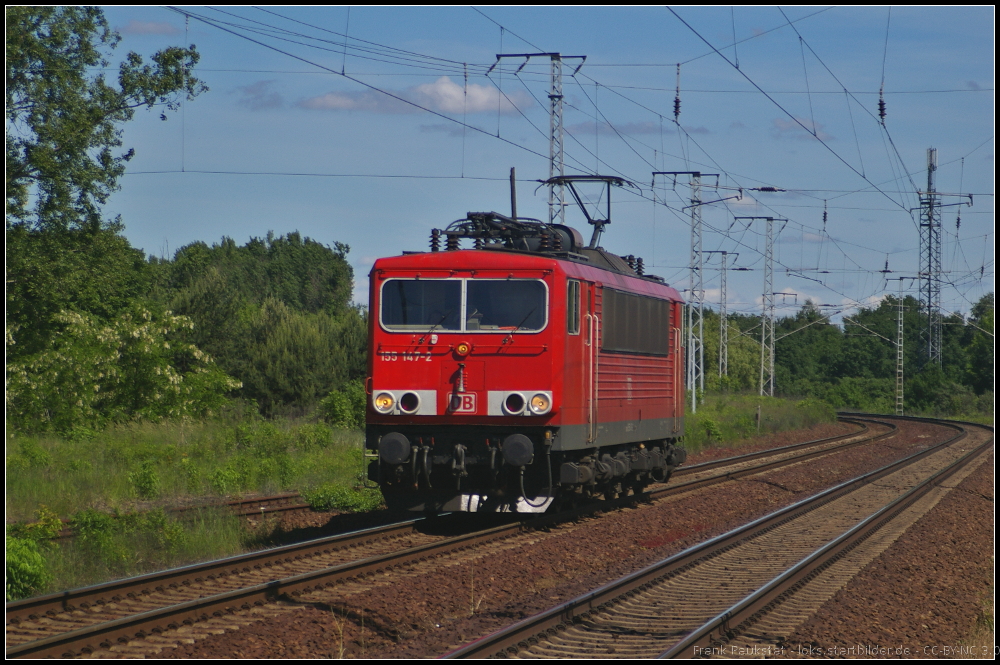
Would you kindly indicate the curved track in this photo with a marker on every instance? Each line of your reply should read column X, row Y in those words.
column 99, row 617
column 708, row 596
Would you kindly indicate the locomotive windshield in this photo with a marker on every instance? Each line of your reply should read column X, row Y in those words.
column 505, row 305
column 418, row 304
column 518, row 305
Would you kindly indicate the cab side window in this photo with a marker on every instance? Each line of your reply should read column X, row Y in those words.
column 573, row 307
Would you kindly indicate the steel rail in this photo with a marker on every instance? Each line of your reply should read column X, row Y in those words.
column 132, row 587
column 51, row 604
column 739, row 473
column 103, row 635
column 539, row 627
column 735, row 620
column 695, row 468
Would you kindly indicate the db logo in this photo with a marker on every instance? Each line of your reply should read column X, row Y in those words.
column 462, row 402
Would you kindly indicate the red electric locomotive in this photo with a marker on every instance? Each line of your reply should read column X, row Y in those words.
column 528, row 369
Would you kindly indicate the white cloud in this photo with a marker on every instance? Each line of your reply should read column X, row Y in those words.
column 792, row 238
column 871, row 302
column 443, row 95
column 747, row 201
column 149, row 28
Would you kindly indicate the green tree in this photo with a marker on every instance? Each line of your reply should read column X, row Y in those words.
column 137, row 366
column 306, row 275
column 296, row 358
column 64, row 121
column 979, row 365
column 744, row 354
column 64, row 158
column 274, row 313
column 49, row 271
column 806, row 349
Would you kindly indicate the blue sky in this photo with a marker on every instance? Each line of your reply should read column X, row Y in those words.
column 283, row 142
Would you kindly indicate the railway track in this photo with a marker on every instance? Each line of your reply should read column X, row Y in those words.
column 734, row 594
column 257, row 507
column 98, row 618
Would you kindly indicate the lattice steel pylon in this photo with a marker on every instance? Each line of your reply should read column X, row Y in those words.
column 723, row 322
column 696, row 301
column 767, row 318
column 557, row 192
column 723, row 314
column 900, row 314
column 767, row 311
column 696, row 328
column 899, row 353
column 930, row 260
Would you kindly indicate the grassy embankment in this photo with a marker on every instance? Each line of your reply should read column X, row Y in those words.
column 114, row 486
column 729, row 419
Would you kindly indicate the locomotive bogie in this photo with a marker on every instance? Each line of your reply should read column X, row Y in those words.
column 421, row 471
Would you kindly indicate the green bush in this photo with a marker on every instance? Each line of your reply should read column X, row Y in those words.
column 42, row 531
column 712, row 430
column 94, row 373
column 345, row 408
column 313, row 436
column 145, row 481
column 26, row 570
column 122, row 542
column 331, row 496
column 227, row 480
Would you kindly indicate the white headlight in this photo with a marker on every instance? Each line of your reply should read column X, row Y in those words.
column 540, row 403
column 383, row 402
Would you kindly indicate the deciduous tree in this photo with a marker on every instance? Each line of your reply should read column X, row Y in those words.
column 64, row 120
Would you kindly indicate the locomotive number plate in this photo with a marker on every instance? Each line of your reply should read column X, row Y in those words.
column 461, row 402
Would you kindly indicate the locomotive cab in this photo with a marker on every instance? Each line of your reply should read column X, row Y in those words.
column 523, row 371
column 464, row 384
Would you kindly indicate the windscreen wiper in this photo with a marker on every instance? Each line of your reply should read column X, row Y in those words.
column 446, row 314
column 510, row 337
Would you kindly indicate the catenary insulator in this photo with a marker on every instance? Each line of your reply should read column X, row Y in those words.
column 543, row 243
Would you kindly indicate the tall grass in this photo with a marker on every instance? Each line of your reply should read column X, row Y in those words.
column 112, row 546
column 113, row 487
column 146, row 465
column 725, row 419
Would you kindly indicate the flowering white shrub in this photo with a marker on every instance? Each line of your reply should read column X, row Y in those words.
column 134, row 367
